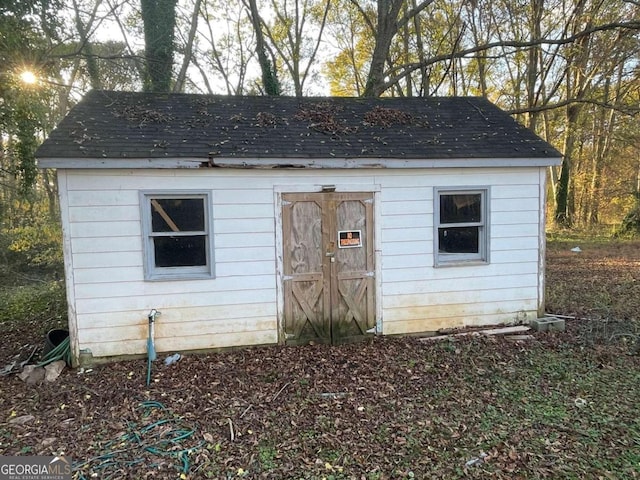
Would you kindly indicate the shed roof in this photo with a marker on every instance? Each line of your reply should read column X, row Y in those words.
column 126, row 129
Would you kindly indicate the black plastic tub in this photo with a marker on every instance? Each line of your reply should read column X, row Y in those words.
column 54, row 338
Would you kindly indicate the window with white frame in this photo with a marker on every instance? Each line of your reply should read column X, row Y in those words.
column 461, row 226
column 177, row 235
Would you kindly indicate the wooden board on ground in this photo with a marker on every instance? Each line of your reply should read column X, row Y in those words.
column 490, row 331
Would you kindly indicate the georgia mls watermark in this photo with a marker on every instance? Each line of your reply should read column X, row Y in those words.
column 35, row 468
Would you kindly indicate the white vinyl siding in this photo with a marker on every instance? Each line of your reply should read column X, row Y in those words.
column 110, row 298
column 420, row 298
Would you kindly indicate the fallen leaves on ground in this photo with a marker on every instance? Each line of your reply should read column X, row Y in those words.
column 392, row 408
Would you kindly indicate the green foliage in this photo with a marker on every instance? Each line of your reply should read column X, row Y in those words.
column 23, row 108
column 35, row 247
column 24, row 122
column 35, row 302
column 354, row 40
column 270, row 78
column 116, row 70
column 30, row 237
column 630, row 226
column 267, row 454
column 18, row 128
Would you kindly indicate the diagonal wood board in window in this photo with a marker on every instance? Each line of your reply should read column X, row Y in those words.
column 165, row 216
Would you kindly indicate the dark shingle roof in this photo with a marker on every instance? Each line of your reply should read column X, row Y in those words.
column 119, row 125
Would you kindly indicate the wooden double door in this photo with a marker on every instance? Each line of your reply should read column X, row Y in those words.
column 328, row 267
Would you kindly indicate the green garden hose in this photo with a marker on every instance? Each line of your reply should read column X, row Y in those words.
column 60, row 352
column 168, row 437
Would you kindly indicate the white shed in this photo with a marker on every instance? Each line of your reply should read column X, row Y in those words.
column 265, row 220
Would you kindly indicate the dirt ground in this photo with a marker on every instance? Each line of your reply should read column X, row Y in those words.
column 559, row 405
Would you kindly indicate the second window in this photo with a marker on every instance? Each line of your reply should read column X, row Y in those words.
column 461, row 226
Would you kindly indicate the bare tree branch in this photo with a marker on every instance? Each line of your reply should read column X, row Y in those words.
column 624, row 109
column 365, row 17
column 414, row 12
column 409, row 68
column 188, row 49
column 138, row 60
column 317, row 46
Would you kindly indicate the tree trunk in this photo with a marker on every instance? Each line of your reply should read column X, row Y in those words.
column 564, row 208
column 269, row 76
column 51, row 188
column 537, row 7
column 424, row 78
column 386, row 29
column 85, row 45
column 577, row 86
column 159, row 20
column 406, row 58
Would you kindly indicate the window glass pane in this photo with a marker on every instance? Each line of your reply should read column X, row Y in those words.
column 459, row 240
column 188, row 251
column 460, row 208
column 177, row 214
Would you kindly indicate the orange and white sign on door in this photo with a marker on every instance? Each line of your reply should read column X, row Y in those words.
column 349, row 238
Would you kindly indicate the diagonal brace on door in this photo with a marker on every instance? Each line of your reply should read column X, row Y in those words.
column 353, row 302
column 306, row 308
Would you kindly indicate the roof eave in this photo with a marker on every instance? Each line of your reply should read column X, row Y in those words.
column 296, row 163
column 113, row 163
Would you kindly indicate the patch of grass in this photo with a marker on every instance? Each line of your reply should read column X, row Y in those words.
column 601, row 235
column 37, row 301
column 599, row 285
column 27, row 313
column 267, row 456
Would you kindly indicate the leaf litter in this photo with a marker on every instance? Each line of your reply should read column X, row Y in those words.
column 470, row 407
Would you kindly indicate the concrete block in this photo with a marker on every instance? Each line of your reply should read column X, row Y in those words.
column 548, row 324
